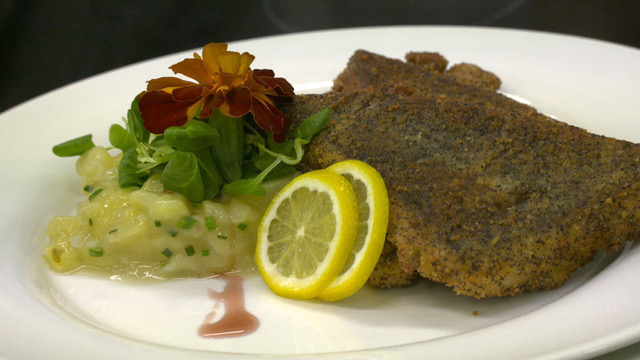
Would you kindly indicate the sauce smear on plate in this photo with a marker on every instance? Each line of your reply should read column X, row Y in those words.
column 236, row 320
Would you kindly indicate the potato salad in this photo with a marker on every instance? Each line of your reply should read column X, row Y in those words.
column 152, row 232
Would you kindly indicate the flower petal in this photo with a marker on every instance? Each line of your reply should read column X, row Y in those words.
column 280, row 85
column 256, row 84
column 188, row 93
column 210, row 54
column 245, row 61
column 239, row 101
column 167, row 82
column 159, row 111
column 227, row 81
column 210, row 102
column 229, row 62
column 269, row 118
column 193, row 68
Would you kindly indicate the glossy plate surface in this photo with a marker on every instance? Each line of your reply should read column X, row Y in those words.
column 587, row 83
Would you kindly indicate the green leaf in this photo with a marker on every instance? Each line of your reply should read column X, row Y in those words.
column 128, row 171
column 263, row 160
column 158, row 141
column 73, row 147
column 285, row 148
column 212, row 179
column 228, row 152
column 135, row 124
column 193, row 136
column 244, row 187
column 251, row 186
column 279, row 171
column 182, row 175
column 312, row 125
column 159, row 150
column 249, row 170
column 120, row 138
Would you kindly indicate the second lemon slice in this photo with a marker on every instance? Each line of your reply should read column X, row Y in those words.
column 306, row 234
column 373, row 209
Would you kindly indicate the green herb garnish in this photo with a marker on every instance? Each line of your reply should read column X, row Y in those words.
column 189, row 250
column 94, row 194
column 173, row 233
column 90, row 222
column 168, row 253
column 87, row 188
column 242, row 226
column 222, row 236
column 210, row 222
column 205, row 252
column 186, row 222
column 113, row 231
column 157, row 223
column 204, row 157
column 74, row 147
column 96, row 251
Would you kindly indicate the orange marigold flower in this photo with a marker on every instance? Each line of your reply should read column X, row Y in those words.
column 225, row 82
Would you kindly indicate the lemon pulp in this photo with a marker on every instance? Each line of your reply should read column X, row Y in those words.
column 304, row 233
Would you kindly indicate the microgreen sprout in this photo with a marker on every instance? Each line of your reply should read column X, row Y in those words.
column 204, row 157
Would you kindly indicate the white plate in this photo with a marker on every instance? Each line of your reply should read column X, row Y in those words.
column 588, row 83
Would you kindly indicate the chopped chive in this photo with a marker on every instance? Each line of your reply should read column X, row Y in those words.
column 173, row 233
column 96, row 251
column 167, row 253
column 113, row 231
column 242, row 226
column 186, row 222
column 210, row 222
column 205, row 252
column 157, row 223
column 90, row 222
column 87, row 188
column 222, row 236
column 190, row 250
column 94, row 194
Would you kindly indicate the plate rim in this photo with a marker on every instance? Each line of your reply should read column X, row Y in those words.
column 631, row 337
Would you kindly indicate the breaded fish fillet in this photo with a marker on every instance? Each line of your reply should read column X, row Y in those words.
column 424, row 73
column 489, row 200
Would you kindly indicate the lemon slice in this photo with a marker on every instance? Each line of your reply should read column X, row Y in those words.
column 373, row 209
column 306, row 234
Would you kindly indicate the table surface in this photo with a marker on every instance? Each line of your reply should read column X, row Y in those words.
column 46, row 45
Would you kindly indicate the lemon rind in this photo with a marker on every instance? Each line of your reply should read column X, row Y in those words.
column 341, row 194
column 348, row 283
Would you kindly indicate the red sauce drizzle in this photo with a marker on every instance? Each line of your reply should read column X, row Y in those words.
column 236, row 321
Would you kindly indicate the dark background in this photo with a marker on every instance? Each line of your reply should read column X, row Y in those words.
column 47, row 44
